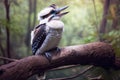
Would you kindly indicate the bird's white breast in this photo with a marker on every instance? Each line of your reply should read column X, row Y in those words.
column 52, row 40
column 53, row 37
column 55, row 24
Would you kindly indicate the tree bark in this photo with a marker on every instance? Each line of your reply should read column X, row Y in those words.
column 115, row 15
column 34, row 12
column 27, row 39
column 7, row 9
column 115, row 24
column 3, row 52
column 104, row 19
column 32, row 9
column 97, row 54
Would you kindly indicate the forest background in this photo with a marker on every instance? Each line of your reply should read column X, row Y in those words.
column 88, row 21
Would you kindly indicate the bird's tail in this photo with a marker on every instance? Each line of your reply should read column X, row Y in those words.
column 41, row 76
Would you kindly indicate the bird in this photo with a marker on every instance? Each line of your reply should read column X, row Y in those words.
column 46, row 36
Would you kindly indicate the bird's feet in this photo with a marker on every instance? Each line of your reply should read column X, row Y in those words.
column 57, row 49
column 48, row 56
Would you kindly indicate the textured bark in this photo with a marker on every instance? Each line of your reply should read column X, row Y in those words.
column 115, row 14
column 32, row 10
column 27, row 39
column 7, row 9
column 98, row 54
column 105, row 13
column 104, row 19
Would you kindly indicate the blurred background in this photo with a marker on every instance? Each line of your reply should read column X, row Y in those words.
column 88, row 21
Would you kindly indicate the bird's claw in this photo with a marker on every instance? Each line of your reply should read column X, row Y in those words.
column 58, row 49
column 48, row 56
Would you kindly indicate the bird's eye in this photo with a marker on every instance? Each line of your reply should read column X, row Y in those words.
column 52, row 12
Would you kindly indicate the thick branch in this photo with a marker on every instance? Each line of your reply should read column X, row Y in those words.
column 98, row 54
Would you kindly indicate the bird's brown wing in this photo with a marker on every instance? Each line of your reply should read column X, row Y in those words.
column 40, row 35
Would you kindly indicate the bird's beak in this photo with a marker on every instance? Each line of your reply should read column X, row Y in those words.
column 59, row 10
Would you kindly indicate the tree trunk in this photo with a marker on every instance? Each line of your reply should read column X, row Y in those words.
column 1, row 46
column 104, row 19
column 115, row 20
column 97, row 54
column 115, row 24
column 32, row 9
column 27, row 40
column 3, row 52
column 7, row 9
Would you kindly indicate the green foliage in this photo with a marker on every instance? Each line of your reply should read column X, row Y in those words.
column 80, row 27
column 113, row 37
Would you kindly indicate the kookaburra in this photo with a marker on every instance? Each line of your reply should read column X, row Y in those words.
column 46, row 36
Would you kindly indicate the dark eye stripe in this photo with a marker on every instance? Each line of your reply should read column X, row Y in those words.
column 45, row 16
column 51, row 12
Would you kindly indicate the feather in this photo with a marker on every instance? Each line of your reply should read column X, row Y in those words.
column 39, row 37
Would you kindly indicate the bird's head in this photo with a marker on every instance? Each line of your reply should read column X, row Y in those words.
column 50, row 13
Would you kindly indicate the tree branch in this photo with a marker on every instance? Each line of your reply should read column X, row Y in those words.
column 8, row 59
column 97, row 54
column 64, row 67
column 96, row 78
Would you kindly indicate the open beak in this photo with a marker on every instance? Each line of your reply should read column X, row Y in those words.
column 59, row 10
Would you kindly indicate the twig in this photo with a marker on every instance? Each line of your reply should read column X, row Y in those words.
column 8, row 59
column 96, row 78
column 74, row 76
column 64, row 67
